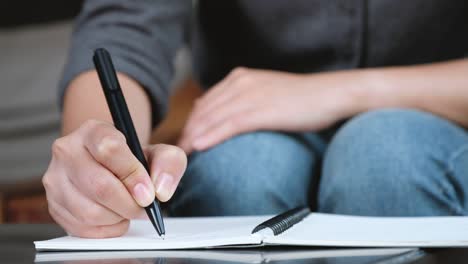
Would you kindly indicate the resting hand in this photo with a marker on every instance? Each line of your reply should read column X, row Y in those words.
column 248, row 100
column 94, row 184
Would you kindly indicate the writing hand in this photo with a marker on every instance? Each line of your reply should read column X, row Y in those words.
column 95, row 185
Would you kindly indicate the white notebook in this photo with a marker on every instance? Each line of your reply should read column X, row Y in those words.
column 297, row 227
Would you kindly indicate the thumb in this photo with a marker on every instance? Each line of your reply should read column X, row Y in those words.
column 168, row 164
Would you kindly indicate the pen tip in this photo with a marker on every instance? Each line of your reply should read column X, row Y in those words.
column 163, row 236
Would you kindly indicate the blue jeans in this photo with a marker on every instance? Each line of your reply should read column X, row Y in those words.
column 391, row 162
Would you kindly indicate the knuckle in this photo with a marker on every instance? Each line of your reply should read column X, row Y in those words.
column 59, row 147
column 46, row 181
column 109, row 145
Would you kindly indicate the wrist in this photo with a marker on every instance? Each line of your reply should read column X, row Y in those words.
column 354, row 92
column 370, row 90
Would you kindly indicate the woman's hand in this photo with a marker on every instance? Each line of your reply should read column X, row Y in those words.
column 94, row 183
column 248, row 100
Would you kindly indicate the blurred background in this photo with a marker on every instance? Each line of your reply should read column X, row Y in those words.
column 34, row 39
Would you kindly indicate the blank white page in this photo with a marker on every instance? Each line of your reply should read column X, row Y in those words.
column 355, row 231
column 181, row 233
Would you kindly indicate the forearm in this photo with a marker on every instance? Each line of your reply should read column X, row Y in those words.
column 85, row 100
column 439, row 88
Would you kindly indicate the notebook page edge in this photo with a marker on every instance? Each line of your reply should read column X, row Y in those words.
column 334, row 239
column 133, row 240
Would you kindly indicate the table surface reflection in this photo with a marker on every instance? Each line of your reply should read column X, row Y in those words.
column 16, row 247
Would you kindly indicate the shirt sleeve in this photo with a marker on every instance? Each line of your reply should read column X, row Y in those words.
column 142, row 36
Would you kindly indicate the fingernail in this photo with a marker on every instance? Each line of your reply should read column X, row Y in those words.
column 164, row 186
column 142, row 194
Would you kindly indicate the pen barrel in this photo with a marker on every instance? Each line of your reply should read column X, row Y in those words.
column 117, row 104
column 123, row 122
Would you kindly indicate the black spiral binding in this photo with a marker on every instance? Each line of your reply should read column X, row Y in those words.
column 284, row 221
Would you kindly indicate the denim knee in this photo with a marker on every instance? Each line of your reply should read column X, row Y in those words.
column 393, row 162
column 255, row 173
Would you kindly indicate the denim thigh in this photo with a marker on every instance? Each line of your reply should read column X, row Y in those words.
column 396, row 162
column 254, row 173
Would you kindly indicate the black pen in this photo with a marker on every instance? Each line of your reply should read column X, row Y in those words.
column 123, row 122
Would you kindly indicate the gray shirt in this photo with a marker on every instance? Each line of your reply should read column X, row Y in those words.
column 302, row 36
